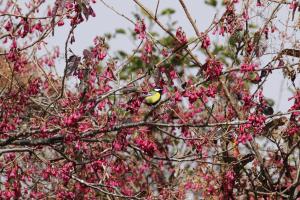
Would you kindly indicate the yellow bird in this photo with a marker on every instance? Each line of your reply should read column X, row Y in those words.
column 154, row 96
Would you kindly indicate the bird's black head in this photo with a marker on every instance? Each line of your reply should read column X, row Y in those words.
column 158, row 90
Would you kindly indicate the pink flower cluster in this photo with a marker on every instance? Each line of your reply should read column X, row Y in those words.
column 213, row 68
column 147, row 51
column 140, row 29
column 295, row 117
column 15, row 57
column 146, row 145
column 228, row 183
column 205, row 42
column 180, row 35
column 244, row 138
column 245, row 67
column 99, row 51
column 293, row 5
column 72, row 119
column 34, row 86
column 256, row 120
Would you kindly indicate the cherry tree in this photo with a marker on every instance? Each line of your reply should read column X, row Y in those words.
column 213, row 134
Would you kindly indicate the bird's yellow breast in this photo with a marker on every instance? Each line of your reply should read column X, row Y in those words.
column 154, row 98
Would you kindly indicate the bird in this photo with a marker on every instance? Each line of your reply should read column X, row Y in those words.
column 153, row 97
column 268, row 110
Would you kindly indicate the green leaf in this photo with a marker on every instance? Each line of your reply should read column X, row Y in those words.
column 108, row 35
column 167, row 41
column 235, row 38
column 122, row 54
column 211, row 2
column 135, row 64
column 228, row 54
column 154, row 34
column 252, row 26
column 167, row 11
column 218, row 49
column 120, row 31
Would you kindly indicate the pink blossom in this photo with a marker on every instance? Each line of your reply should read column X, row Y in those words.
column 256, row 120
column 180, row 35
column 71, row 119
column 165, row 52
column 146, row 145
column 206, row 42
column 244, row 138
column 258, row 3
column 38, row 27
column 8, row 26
column 245, row 67
column 230, row 175
column 245, row 15
column 148, row 47
column 140, row 29
column 213, row 68
column 293, row 5
column 177, row 96
column 60, row 23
